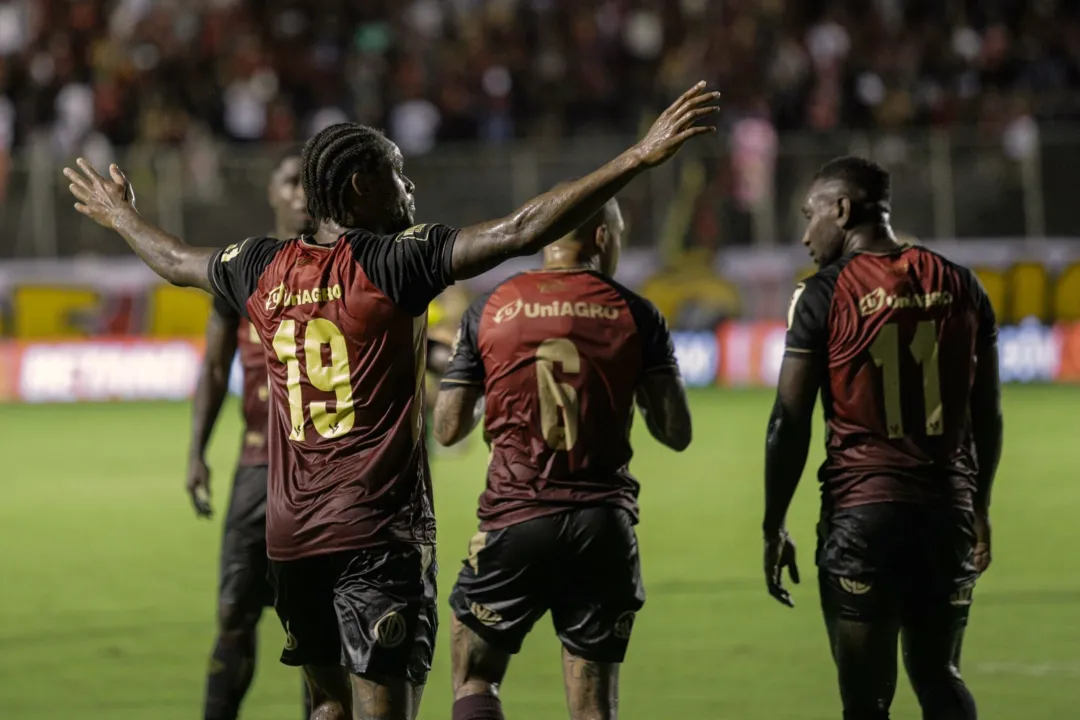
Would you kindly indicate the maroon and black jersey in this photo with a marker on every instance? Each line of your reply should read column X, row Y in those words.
column 559, row 355
column 344, row 332
column 255, row 400
column 897, row 335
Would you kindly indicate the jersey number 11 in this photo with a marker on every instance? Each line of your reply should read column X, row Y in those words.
column 924, row 349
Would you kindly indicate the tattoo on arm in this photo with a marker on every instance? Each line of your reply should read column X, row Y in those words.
column 661, row 398
column 167, row 255
column 457, row 412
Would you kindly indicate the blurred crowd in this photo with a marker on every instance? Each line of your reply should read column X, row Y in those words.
column 106, row 73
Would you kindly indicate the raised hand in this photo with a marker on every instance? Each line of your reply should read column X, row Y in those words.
column 676, row 125
column 103, row 200
column 780, row 553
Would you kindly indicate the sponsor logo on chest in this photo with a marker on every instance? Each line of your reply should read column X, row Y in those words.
column 286, row 297
column 554, row 309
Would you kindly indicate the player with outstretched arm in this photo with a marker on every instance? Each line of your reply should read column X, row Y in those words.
column 341, row 315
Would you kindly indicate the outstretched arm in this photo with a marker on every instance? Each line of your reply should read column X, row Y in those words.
column 661, row 399
column 210, row 392
column 111, row 204
column 548, row 217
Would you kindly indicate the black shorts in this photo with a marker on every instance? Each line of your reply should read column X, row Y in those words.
column 372, row 610
column 582, row 564
column 893, row 559
column 243, row 584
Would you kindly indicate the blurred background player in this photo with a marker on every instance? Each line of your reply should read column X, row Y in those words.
column 903, row 346
column 558, row 356
column 350, row 517
column 244, row 589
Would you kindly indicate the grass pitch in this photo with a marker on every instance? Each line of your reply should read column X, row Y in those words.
column 107, row 580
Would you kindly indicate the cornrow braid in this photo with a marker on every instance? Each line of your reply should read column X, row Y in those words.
column 331, row 158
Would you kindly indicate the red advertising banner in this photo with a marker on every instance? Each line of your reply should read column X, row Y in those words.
column 100, row 369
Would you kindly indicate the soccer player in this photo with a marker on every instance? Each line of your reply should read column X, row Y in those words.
column 340, row 313
column 558, row 356
column 243, row 590
column 902, row 344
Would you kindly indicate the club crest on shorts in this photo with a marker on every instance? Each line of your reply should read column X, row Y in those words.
column 624, row 624
column 389, row 630
column 854, row 586
column 484, row 614
column 290, row 639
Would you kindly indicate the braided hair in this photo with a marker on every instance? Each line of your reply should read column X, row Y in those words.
column 331, row 158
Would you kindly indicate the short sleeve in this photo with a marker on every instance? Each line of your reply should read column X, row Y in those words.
column 224, row 309
column 412, row 267
column 235, row 270
column 466, row 364
column 987, row 330
column 808, row 317
column 657, row 348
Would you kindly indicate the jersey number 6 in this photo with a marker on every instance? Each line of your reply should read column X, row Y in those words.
column 556, row 398
column 332, row 378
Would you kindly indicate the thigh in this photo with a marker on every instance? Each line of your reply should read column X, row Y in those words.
column 385, row 604
column 244, row 589
column 939, row 592
column 304, row 601
column 503, row 587
column 599, row 588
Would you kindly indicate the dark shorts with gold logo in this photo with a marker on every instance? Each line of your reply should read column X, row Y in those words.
column 583, row 565
column 243, row 584
column 891, row 560
column 372, row 611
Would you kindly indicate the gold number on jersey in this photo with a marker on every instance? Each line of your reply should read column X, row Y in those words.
column 333, row 378
column 557, row 399
column 924, row 349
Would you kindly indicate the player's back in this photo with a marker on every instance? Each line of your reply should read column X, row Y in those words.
column 344, row 327
column 563, row 352
column 901, row 334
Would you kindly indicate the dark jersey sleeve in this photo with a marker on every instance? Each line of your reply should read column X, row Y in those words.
column 225, row 310
column 658, row 351
column 986, row 334
column 412, row 267
column 808, row 316
column 466, row 364
column 235, row 270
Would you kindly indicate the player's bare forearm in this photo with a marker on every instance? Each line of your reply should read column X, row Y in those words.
column 542, row 220
column 661, row 399
column 548, row 217
column 787, row 440
column 167, row 255
column 110, row 202
column 987, row 424
column 213, row 382
column 457, row 411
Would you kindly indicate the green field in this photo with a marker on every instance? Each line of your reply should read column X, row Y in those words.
column 108, row 579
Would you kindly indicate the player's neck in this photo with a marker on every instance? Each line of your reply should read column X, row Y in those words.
column 569, row 264
column 877, row 237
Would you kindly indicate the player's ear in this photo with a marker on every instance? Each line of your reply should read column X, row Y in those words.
column 601, row 239
column 843, row 211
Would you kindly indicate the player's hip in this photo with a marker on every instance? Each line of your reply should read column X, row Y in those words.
column 847, row 484
column 925, row 544
column 292, row 535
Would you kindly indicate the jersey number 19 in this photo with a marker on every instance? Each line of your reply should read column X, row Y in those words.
column 333, row 378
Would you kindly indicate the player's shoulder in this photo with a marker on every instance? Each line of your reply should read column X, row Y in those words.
column 639, row 304
column 967, row 277
column 819, row 287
